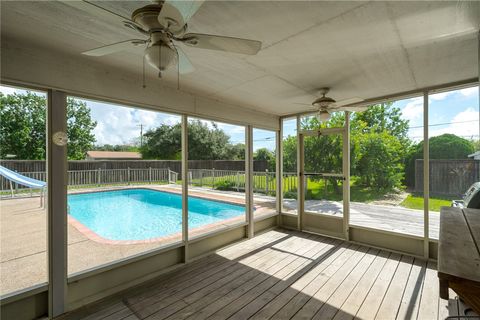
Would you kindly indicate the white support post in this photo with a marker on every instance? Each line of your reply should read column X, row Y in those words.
column 426, row 177
column 279, row 169
column 213, row 178
column 57, row 202
column 346, row 176
column 300, row 177
column 185, row 187
column 249, row 180
column 266, row 182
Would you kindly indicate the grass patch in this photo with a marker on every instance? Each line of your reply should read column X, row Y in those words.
column 316, row 190
column 414, row 201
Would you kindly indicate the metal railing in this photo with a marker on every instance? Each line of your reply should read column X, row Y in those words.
column 103, row 177
column 263, row 181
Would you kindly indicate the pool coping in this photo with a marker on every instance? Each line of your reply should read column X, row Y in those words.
column 166, row 191
column 92, row 235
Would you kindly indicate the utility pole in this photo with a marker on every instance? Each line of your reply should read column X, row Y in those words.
column 141, row 134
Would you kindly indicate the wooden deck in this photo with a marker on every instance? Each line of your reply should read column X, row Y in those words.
column 287, row 275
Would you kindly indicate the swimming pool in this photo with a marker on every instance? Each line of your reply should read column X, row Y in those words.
column 140, row 214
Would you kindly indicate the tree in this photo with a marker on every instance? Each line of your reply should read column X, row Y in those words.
column 379, row 162
column 263, row 154
column 476, row 144
column 290, row 154
column 164, row 142
column 445, row 146
column 23, row 127
column 378, row 138
column 116, row 147
column 204, row 143
column 381, row 118
column 79, row 129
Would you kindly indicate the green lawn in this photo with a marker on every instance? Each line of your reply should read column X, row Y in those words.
column 316, row 191
column 434, row 204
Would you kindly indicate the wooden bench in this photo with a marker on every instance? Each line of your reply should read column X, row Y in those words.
column 459, row 254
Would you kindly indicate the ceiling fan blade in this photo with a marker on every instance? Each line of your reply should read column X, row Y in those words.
column 221, row 43
column 184, row 64
column 187, row 8
column 345, row 102
column 175, row 14
column 114, row 47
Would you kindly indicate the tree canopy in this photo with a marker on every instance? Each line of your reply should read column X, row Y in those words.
column 445, row 146
column 204, row 143
column 378, row 140
column 23, row 129
column 263, row 154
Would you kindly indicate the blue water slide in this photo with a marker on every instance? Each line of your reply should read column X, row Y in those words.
column 21, row 179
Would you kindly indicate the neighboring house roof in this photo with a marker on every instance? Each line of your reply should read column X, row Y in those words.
column 475, row 155
column 113, row 155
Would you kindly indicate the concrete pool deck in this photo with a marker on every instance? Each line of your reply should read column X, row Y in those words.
column 24, row 237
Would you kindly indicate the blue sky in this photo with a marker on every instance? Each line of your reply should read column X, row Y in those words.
column 454, row 112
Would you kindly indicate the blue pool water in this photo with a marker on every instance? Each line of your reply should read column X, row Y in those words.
column 139, row 214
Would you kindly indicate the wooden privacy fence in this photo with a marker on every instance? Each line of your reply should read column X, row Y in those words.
column 174, row 165
column 448, row 177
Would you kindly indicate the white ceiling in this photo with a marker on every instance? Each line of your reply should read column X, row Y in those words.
column 359, row 49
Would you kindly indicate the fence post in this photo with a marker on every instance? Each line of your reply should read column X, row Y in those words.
column 98, row 176
column 213, row 179
column 201, row 178
column 150, row 175
column 128, row 175
column 326, row 188
column 266, row 181
column 238, row 182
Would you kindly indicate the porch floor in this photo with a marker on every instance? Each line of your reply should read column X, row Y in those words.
column 287, row 275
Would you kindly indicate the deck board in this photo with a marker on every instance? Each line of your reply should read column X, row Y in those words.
column 286, row 275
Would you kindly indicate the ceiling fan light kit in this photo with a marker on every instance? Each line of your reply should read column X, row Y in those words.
column 323, row 116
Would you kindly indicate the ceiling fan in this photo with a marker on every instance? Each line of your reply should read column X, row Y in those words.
column 164, row 26
column 327, row 105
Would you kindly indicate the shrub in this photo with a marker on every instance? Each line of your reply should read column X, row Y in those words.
column 225, row 185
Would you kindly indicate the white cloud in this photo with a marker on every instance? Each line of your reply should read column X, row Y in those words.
column 121, row 125
column 413, row 110
column 464, row 124
column 231, row 129
column 7, row 90
column 439, row 96
column 467, row 92
column 11, row 90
